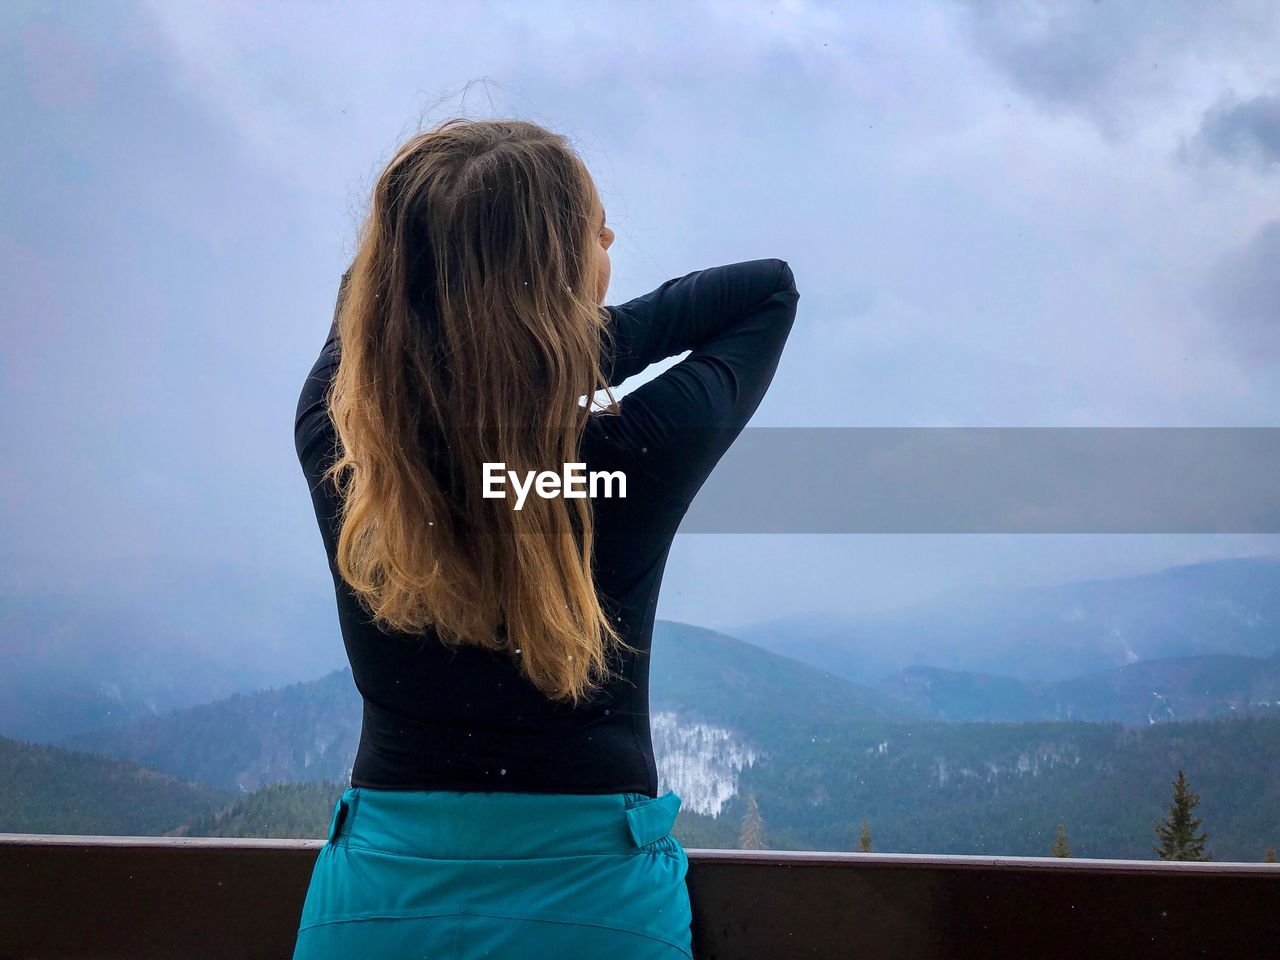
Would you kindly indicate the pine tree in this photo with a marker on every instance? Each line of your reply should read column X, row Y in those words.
column 1270, row 855
column 1060, row 848
column 864, row 838
column 752, row 827
column 1177, row 833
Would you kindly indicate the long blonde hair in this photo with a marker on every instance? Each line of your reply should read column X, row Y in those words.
column 469, row 333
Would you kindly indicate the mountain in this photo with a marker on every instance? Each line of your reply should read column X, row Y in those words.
column 710, row 675
column 111, row 645
column 309, row 731
column 305, row 731
column 717, row 704
column 1046, row 634
column 819, row 754
column 984, row 789
column 1000, row 789
column 55, row 791
column 279, row 811
column 1151, row 691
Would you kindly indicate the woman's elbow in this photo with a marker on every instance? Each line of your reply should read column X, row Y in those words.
column 786, row 279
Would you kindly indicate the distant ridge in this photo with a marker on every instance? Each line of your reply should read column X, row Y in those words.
column 304, row 731
column 1047, row 634
column 703, row 672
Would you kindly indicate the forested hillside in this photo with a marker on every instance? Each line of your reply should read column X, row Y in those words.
column 50, row 790
column 282, row 810
column 1001, row 789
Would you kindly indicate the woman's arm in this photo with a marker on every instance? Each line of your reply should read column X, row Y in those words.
column 338, row 301
column 677, row 426
column 684, row 313
column 681, row 314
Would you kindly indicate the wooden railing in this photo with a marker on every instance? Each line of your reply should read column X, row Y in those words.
column 64, row 897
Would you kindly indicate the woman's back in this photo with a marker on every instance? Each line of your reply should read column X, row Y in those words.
column 466, row 718
column 504, row 794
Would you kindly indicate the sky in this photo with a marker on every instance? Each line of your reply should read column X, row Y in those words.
column 999, row 214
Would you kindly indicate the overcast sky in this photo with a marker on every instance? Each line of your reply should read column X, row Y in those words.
column 1041, row 214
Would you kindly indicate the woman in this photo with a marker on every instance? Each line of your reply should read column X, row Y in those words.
column 503, row 800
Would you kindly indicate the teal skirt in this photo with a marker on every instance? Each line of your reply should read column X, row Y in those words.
column 445, row 875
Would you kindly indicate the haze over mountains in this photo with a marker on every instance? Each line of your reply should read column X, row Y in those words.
column 1046, row 634
column 144, row 636
column 150, row 637
column 730, row 717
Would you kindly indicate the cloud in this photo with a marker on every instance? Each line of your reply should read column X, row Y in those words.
column 1056, row 52
column 162, row 294
column 1244, row 295
column 1241, row 130
column 180, row 183
column 1111, row 62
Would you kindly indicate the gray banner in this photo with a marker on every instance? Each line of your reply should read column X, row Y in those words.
column 994, row 480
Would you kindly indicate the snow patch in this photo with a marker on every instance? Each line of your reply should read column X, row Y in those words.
column 699, row 761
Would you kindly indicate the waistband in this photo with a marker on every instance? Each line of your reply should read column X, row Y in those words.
column 500, row 824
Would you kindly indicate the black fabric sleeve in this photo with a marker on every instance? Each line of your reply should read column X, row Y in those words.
column 683, row 313
column 736, row 320
column 307, row 422
column 675, row 317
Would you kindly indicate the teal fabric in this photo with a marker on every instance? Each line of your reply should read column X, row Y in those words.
column 455, row 875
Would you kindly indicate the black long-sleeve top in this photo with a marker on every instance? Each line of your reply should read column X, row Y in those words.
column 465, row 718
